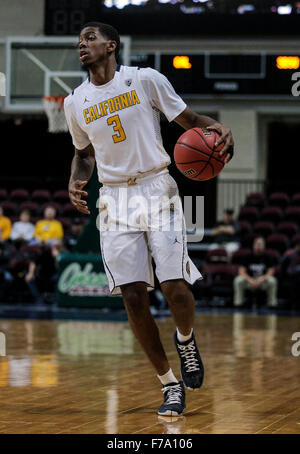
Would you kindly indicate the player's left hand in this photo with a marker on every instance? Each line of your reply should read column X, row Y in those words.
column 226, row 138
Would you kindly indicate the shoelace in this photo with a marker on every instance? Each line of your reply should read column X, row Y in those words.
column 188, row 352
column 174, row 394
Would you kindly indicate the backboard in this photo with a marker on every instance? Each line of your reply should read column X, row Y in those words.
column 42, row 66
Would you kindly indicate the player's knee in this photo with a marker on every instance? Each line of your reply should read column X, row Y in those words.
column 134, row 296
column 176, row 292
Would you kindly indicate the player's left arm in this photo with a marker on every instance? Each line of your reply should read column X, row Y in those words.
column 189, row 119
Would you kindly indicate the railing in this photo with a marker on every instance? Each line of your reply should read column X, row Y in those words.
column 233, row 193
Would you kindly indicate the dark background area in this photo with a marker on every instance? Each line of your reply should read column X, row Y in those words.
column 217, row 17
column 283, row 170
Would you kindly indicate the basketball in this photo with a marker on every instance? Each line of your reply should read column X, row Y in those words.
column 196, row 156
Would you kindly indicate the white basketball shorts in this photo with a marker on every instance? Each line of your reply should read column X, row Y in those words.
column 141, row 222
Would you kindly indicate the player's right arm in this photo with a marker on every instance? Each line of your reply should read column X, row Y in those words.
column 81, row 171
column 83, row 161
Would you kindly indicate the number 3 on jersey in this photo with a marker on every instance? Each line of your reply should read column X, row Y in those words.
column 116, row 122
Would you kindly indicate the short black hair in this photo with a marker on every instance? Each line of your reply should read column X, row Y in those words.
column 109, row 32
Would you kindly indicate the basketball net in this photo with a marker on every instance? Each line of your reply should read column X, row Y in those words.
column 54, row 108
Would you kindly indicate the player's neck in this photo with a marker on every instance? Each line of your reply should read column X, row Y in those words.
column 102, row 73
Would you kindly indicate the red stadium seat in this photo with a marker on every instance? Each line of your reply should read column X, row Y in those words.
column 272, row 214
column 65, row 223
column 296, row 199
column 263, row 228
column 249, row 214
column 274, row 254
column 287, row 228
column 70, row 211
column 61, row 196
column 256, row 199
column 239, row 256
column 19, row 195
column 40, row 196
column 9, row 208
column 277, row 241
column 279, row 199
column 295, row 239
column 293, row 214
column 218, row 255
column 245, row 228
column 3, row 195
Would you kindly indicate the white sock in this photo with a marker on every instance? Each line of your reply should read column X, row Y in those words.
column 169, row 377
column 183, row 338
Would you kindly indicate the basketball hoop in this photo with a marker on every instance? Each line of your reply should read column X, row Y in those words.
column 54, row 108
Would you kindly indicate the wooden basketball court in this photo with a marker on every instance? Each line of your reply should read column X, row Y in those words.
column 91, row 377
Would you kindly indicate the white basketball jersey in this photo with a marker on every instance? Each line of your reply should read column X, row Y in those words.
column 121, row 119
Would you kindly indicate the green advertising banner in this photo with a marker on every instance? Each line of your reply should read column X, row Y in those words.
column 82, row 282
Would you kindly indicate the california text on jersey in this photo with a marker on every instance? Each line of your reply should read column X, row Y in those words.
column 111, row 105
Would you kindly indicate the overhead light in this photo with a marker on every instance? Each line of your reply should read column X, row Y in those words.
column 284, row 9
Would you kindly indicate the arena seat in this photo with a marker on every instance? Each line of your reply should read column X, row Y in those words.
column 292, row 213
column 280, row 199
column 19, row 195
column 65, row 223
column 248, row 214
column 256, row 199
column 272, row 214
column 3, row 195
column 218, row 255
column 61, row 196
column 295, row 239
column 274, row 254
column 70, row 211
column 287, row 228
column 277, row 241
column 245, row 228
column 296, row 199
column 239, row 256
column 9, row 208
column 263, row 228
column 40, row 196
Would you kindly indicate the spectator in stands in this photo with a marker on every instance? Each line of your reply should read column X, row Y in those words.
column 226, row 233
column 48, row 229
column 23, row 229
column 257, row 273
column 290, row 268
column 5, row 276
column 42, row 273
column 70, row 240
column 5, row 226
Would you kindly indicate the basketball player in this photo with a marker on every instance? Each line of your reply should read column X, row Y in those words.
column 113, row 118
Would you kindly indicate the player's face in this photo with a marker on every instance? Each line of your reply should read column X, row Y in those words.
column 93, row 47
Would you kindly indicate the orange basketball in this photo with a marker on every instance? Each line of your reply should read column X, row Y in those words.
column 196, row 156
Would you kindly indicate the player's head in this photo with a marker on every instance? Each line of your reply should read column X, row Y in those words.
column 50, row 212
column 259, row 245
column 100, row 42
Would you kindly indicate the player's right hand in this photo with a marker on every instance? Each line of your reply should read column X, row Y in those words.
column 75, row 194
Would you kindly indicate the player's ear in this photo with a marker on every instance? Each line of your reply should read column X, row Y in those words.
column 111, row 46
